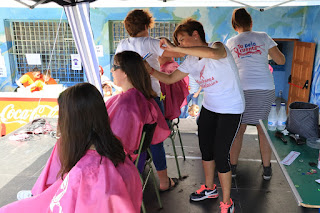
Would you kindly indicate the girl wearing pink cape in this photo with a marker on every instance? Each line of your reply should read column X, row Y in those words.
column 130, row 110
column 135, row 107
column 176, row 93
column 94, row 174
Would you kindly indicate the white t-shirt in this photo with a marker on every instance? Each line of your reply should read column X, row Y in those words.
column 250, row 52
column 143, row 45
column 220, row 82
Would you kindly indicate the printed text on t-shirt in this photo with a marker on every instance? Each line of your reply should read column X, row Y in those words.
column 205, row 82
column 248, row 49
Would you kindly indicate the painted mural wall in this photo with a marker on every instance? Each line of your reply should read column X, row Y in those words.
column 281, row 22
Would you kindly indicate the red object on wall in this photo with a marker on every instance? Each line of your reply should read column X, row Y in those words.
column 3, row 129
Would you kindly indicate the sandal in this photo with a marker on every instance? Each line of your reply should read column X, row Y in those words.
column 175, row 180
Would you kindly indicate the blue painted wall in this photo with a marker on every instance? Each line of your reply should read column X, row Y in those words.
column 282, row 22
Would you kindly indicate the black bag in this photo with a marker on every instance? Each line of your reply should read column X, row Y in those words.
column 303, row 119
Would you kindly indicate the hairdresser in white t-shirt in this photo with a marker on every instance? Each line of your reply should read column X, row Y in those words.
column 250, row 51
column 137, row 24
column 213, row 68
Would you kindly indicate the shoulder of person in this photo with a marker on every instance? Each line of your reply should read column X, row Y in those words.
column 216, row 44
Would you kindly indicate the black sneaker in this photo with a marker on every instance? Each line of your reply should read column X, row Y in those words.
column 204, row 192
column 267, row 172
column 234, row 170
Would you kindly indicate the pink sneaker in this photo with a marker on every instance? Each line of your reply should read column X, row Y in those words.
column 204, row 192
column 227, row 208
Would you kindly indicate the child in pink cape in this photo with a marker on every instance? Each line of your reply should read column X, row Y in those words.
column 174, row 94
column 87, row 170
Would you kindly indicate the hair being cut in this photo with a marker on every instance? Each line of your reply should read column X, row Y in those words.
column 189, row 26
column 137, row 21
column 133, row 66
column 241, row 18
column 83, row 122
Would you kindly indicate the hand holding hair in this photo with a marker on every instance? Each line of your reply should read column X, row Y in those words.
column 148, row 67
column 165, row 44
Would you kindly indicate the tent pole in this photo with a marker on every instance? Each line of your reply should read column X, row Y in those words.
column 36, row 4
column 262, row 9
column 267, row 8
column 31, row 6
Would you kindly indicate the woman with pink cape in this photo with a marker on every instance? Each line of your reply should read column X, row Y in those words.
column 88, row 170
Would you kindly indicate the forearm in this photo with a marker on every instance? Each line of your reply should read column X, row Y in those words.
column 277, row 55
column 173, row 54
column 163, row 77
column 175, row 76
column 199, row 90
column 217, row 51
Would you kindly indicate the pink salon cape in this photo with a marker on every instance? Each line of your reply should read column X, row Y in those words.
column 94, row 184
column 128, row 112
column 175, row 94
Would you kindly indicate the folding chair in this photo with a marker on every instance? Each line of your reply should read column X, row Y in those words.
column 145, row 141
column 173, row 125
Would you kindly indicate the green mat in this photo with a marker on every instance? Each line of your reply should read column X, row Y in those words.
column 305, row 184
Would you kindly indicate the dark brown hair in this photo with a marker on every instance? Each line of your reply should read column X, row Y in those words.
column 133, row 66
column 35, row 70
column 241, row 18
column 84, row 121
column 189, row 26
column 137, row 20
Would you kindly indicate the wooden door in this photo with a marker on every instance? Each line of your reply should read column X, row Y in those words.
column 301, row 71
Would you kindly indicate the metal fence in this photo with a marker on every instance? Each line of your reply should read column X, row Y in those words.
column 38, row 37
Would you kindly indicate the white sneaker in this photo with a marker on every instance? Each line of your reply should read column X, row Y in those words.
column 23, row 194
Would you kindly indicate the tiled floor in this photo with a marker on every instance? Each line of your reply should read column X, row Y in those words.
column 249, row 191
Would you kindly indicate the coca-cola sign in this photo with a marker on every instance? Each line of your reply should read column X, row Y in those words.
column 15, row 114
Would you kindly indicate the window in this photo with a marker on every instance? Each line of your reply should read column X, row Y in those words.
column 160, row 29
column 38, row 37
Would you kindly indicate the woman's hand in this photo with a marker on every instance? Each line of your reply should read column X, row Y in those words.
column 148, row 67
column 165, row 44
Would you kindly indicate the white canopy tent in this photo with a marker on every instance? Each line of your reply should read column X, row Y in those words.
column 256, row 4
column 78, row 16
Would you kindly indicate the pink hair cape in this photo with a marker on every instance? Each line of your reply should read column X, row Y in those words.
column 94, row 184
column 128, row 112
column 175, row 94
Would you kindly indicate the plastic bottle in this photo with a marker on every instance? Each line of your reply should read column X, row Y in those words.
column 282, row 117
column 272, row 118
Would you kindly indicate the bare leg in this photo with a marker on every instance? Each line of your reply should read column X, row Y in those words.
column 265, row 148
column 208, row 167
column 225, row 181
column 237, row 144
column 164, row 179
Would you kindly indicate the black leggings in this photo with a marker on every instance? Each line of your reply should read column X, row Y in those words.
column 216, row 135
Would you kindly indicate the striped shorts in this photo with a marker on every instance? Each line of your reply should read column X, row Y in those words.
column 258, row 105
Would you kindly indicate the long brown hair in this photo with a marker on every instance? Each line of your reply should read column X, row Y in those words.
column 83, row 122
column 189, row 26
column 133, row 66
column 241, row 18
